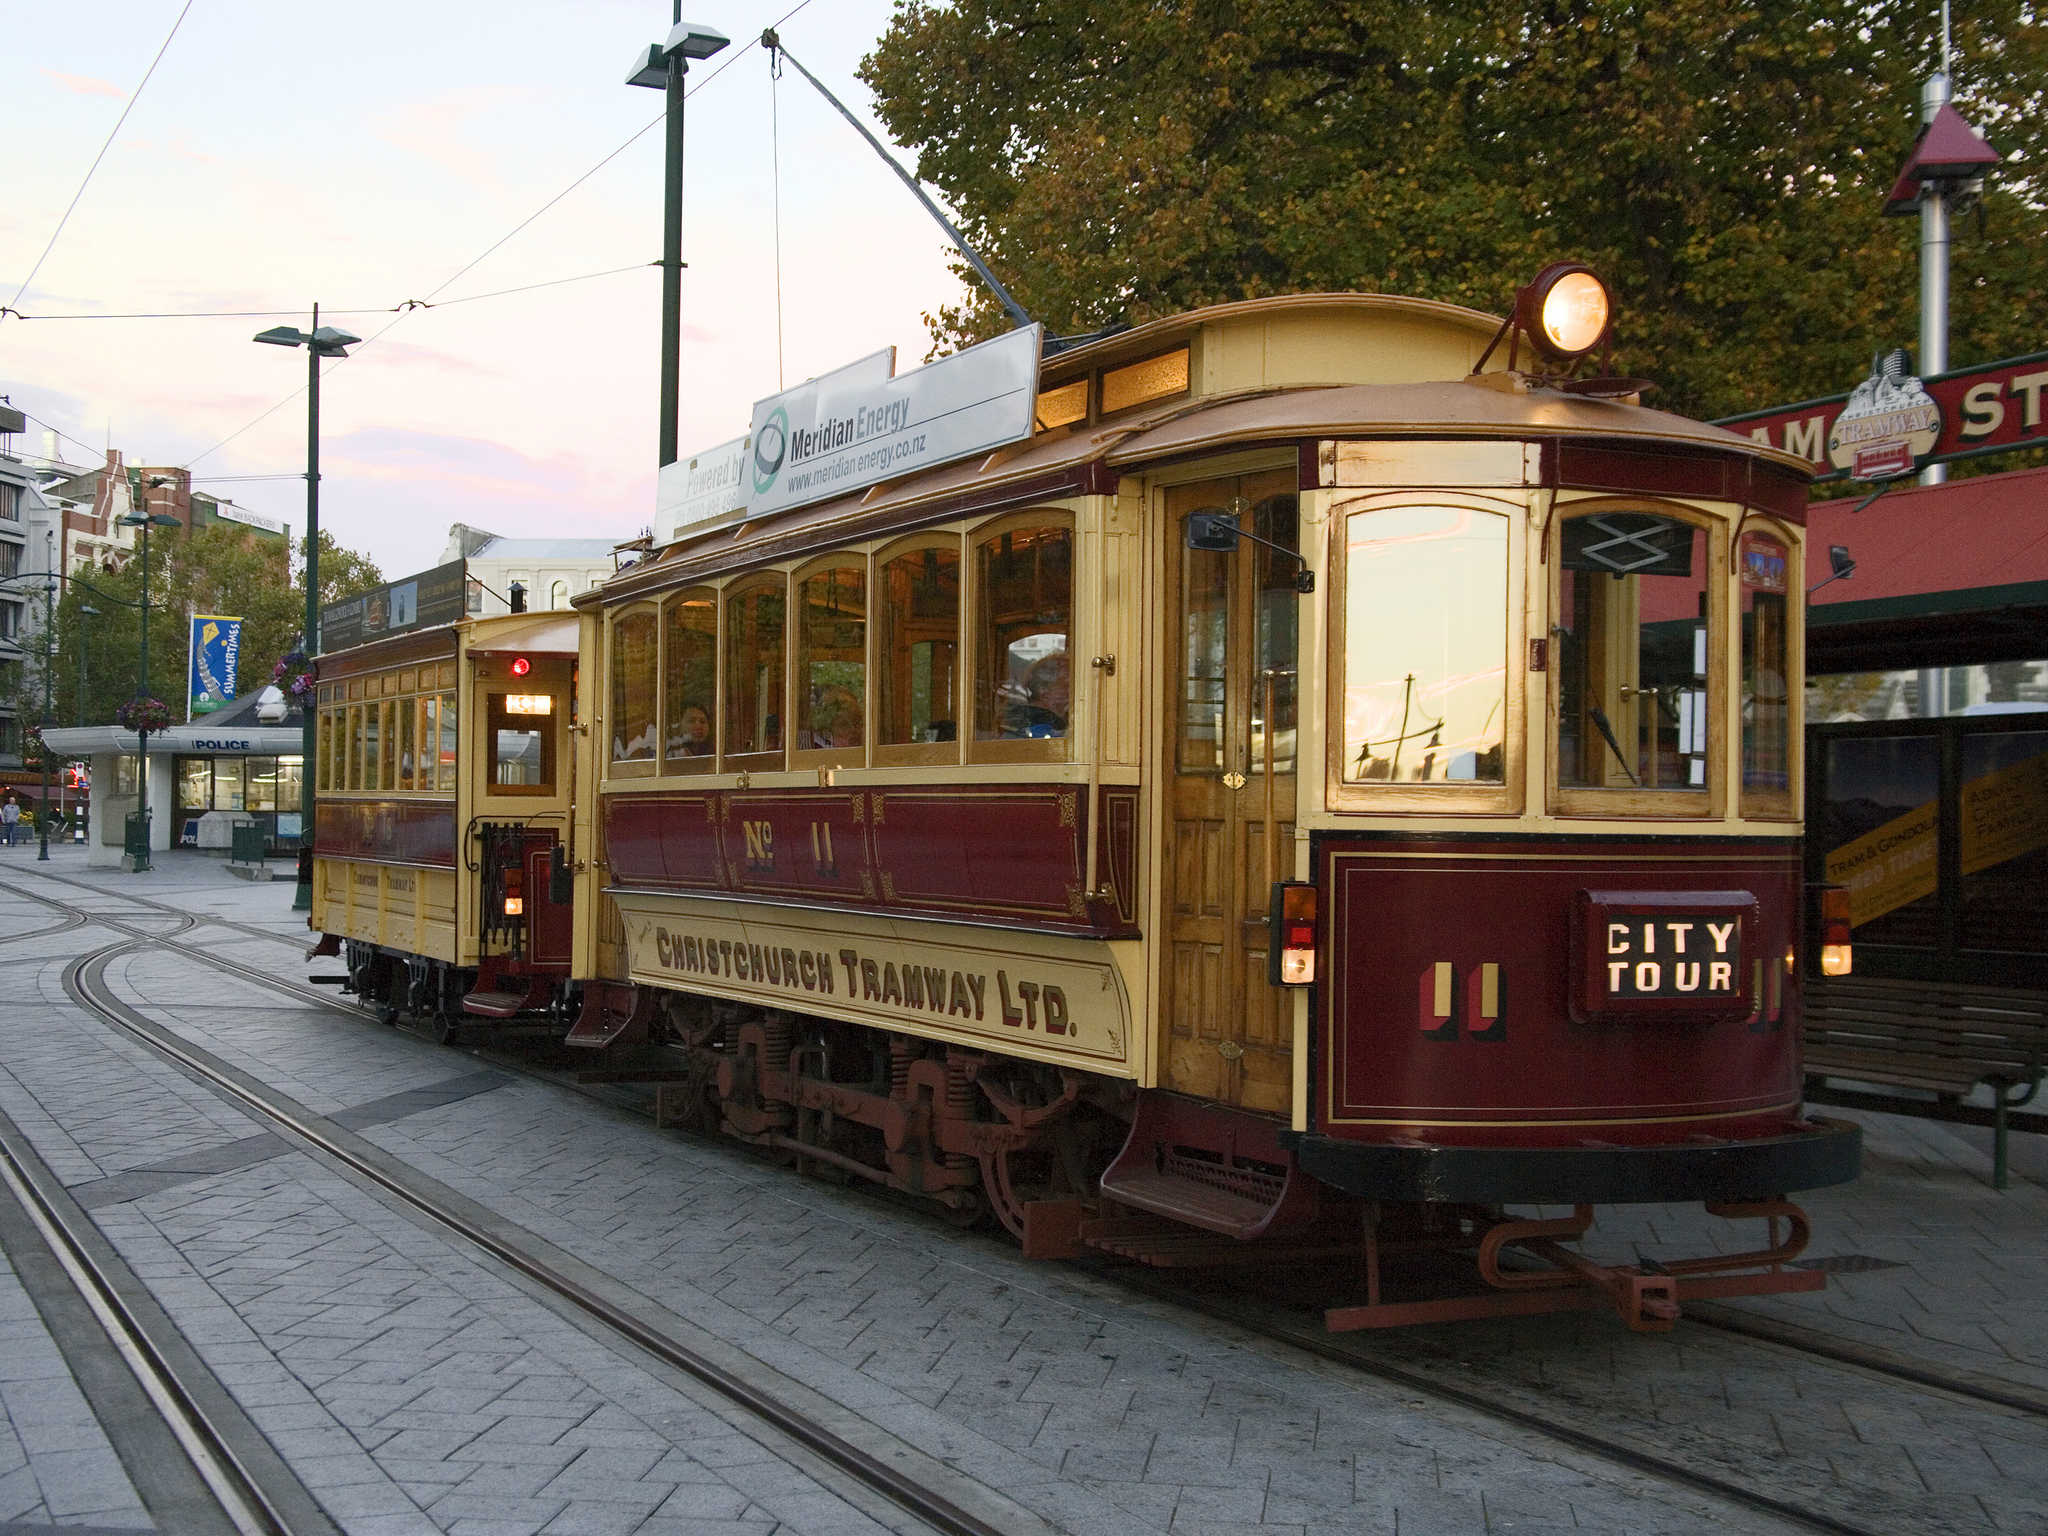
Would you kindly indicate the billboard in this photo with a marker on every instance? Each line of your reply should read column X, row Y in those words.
column 210, row 671
column 418, row 602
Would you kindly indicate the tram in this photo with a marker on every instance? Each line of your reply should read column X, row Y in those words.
column 1328, row 792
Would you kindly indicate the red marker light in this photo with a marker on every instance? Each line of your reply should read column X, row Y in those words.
column 521, row 666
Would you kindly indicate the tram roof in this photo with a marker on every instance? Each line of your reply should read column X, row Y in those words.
column 1406, row 336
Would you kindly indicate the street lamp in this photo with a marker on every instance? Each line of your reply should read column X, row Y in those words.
column 86, row 613
column 321, row 341
column 145, row 521
column 662, row 67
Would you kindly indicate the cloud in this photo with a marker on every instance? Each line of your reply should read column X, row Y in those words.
column 83, row 85
column 469, row 465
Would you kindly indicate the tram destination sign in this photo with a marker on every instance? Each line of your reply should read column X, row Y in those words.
column 849, row 429
column 1654, row 954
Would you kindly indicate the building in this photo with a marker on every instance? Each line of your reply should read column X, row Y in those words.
column 19, row 497
column 549, row 571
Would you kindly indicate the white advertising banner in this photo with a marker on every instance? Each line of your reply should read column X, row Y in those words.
column 700, row 489
column 850, row 429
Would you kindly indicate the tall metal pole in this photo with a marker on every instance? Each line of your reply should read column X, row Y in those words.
column 672, row 256
column 142, row 855
column 1934, row 242
column 302, row 898
column 49, row 717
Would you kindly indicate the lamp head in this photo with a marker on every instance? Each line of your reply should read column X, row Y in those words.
column 282, row 336
column 1840, row 561
column 1564, row 312
column 694, row 40
column 329, row 342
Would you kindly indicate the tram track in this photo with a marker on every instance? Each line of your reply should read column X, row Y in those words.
column 1344, row 1350
column 873, row 1468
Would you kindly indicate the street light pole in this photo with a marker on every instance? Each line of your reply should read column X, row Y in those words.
column 49, row 717
column 86, row 613
column 320, row 342
column 663, row 67
column 144, row 520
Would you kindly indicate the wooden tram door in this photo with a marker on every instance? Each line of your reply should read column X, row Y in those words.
column 1232, row 648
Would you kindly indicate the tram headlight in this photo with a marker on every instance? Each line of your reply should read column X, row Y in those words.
column 1565, row 312
column 1291, row 948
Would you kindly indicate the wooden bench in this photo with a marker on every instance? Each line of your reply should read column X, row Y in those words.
column 1941, row 1037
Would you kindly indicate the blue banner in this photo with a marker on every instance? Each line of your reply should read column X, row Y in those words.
column 210, row 678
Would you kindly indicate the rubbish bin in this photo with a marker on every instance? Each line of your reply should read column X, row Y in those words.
column 246, row 843
column 135, row 839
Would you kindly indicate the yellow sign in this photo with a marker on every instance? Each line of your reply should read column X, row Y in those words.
column 2004, row 814
column 1043, row 995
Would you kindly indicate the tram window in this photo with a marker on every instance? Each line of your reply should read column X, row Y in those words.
column 1425, row 645
column 448, row 722
column 373, row 746
column 755, row 648
column 831, row 658
column 323, row 753
column 522, row 746
column 1277, row 627
column 1024, row 594
column 1765, row 566
column 390, row 708
column 406, row 710
column 1061, row 406
column 1631, row 644
column 633, row 674
column 1152, row 378
column 919, row 654
column 690, row 677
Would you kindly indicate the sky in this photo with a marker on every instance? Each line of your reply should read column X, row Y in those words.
column 363, row 156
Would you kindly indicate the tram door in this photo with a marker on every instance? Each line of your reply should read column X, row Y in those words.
column 1230, row 815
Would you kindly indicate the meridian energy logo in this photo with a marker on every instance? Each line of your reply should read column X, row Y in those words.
column 771, row 447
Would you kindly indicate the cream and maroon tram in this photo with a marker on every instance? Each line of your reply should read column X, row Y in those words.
column 445, row 781
column 1324, row 788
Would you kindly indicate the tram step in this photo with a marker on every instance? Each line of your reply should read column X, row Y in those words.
column 497, row 1005
column 1209, row 1166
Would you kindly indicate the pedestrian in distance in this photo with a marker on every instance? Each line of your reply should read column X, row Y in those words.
column 10, row 818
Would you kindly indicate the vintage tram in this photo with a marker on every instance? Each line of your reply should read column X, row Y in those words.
column 1326, row 786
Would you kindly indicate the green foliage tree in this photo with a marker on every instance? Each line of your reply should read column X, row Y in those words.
column 218, row 569
column 1724, row 166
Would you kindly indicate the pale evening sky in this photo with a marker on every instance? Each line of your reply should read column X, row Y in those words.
column 360, row 156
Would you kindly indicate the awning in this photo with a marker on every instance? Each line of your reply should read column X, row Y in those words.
column 197, row 740
column 1946, row 575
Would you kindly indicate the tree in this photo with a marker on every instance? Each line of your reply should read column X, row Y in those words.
column 1724, row 166
column 218, row 569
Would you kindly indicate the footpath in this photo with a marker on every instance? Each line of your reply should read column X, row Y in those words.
column 412, row 1387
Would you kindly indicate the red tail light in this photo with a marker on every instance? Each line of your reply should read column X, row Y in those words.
column 515, row 893
column 1837, row 955
column 1291, row 951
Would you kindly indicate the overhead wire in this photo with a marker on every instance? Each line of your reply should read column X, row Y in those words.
column 134, row 97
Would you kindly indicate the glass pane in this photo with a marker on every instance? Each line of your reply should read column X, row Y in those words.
column 1024, row 584
column 404, row 712
column 522, row 746
column 227, row 783
column 195, row 784
column 373, row 746
column 1881, row 830
column 691, row 676
column 831, row 657
column 1205, row 657
column 448, row 725
column 389, row 710
column 291, row 790
column 2005, row 841
column 754, row 660
column 1631, row 643
column 1990, row 688
column 633, row 664
column 1766, row 652
column 920, row 649
column 1278, row 625
column 1425, row 646
column 262, row 784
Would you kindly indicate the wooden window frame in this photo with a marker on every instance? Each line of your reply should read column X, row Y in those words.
column 494, row 715
column 917, row 754
column 687, row 767
column 769, row 759
column 629, row 768
column 854, row 559
column 1051, row 749
column 1771, row 804
column 1632, row 803
column 1507, row 798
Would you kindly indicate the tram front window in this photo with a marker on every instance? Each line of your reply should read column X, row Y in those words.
column 1631, row 646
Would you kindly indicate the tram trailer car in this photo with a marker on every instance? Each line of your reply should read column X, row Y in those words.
column 1328, row 787
column 438, row 841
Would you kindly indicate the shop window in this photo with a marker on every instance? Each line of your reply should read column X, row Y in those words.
column 831, row 659
column 262, row 781
column 633, row 678
column 919, row 651
column 195, row 784
column 1024, row 593
column 1630, row 645
column 1425, row 646
column 690, row 678
column 755, row 642
column 521, row 735
column 1763, row 569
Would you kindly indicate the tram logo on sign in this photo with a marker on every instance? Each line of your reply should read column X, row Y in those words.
column 1889, row 424
column 771, row 447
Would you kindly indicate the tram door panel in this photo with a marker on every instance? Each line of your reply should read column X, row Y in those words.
column 1233, row 645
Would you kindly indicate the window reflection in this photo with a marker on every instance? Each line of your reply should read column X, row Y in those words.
column 690, row 675
column 1425, row 645
column 1766, row 699
column 919, row 655
column 1025, row 591
column 1630, row 642
column 754, row 655
column 831, row 657
column 633, row 668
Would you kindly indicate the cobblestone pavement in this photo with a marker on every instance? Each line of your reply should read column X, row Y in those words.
column 413, row 1387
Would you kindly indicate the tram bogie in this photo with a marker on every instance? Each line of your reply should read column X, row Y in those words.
column 941, row 834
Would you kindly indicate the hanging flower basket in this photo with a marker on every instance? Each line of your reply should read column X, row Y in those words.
column 296, row 675
column 144, row 714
